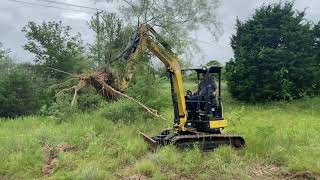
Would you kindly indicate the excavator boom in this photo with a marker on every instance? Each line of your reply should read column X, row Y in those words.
column 146, row 38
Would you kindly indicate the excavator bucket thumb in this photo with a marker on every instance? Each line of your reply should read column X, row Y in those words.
column 152, row 143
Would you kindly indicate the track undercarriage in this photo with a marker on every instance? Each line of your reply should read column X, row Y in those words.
column 204, row 141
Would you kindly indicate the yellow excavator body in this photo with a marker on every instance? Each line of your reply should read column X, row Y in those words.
column 197, row 119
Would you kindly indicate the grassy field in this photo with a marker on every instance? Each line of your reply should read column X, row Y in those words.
column 282, row 142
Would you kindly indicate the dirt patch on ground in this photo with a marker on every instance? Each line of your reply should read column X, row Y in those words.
column 301, row 175
column 137, row 177
column 265, row 170
column 52, row 157
column 274, row 172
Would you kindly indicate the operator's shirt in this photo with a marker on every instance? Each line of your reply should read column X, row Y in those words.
column 207, row 87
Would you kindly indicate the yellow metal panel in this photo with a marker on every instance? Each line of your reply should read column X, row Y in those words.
column 218, row 124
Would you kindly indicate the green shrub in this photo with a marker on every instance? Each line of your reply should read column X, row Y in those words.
column 18, row 93
column 61, row 109
column 150, row 89
column 89, row 100
column 124, row 110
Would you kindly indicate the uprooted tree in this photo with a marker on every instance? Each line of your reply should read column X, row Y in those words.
column 107, row 85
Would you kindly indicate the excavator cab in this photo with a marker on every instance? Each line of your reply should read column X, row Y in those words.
column 205, row 109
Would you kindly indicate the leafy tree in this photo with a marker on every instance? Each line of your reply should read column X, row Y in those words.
column 54, row 47
column 213, row 63
column 3, row 52
column 316, row 45
column 6, row 63
column 174, row 20
column 111, row 37
column 19, row 92
column 16, row 88
column 274, row 57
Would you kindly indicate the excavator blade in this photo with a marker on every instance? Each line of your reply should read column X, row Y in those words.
column 152, row 143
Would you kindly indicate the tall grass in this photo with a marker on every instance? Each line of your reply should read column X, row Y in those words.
column 286, row 134
column 108, row 146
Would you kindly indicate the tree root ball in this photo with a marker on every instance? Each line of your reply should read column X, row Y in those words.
column 100, row 79
column 103, row 80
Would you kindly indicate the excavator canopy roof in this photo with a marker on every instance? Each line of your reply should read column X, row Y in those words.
column 212, row 69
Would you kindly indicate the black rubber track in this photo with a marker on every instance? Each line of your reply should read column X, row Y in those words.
column 208, row 141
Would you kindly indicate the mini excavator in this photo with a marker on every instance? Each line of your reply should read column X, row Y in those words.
column 198, row 120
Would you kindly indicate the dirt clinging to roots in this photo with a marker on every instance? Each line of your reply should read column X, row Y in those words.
column 100, row 80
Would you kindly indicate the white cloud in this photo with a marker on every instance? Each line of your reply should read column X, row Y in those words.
column 75, row 16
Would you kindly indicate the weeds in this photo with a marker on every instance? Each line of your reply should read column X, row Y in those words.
column 146, row 167
column 107, row 141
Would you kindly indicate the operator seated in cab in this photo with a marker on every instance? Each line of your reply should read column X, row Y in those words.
column 206, row 87
column 205, row 97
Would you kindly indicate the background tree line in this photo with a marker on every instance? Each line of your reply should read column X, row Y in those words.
column 33, row 87
column 276, row 55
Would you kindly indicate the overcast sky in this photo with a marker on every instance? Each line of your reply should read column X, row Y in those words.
column 14, row 15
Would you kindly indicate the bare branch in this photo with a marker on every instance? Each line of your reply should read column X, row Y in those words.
column 61, row 83
column 62, row 71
